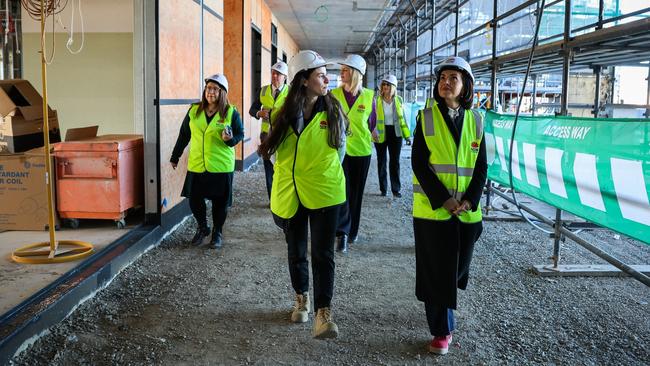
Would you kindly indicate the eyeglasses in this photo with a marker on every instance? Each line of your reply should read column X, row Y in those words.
column 212, row 90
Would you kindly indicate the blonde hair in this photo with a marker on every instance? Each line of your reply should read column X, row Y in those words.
column 393, row 89
column 356, row 81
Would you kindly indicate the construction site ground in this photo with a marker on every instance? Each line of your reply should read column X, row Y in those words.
column 180, row 304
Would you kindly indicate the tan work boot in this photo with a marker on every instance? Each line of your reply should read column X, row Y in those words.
column 324, row 327
column 300, row 311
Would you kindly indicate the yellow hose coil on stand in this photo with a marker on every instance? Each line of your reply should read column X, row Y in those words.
column 70, row 249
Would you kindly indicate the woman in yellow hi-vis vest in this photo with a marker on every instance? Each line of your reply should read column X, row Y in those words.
column 359, row 105
column 391, row 130
column 449, row 172
column 308, row 140
column 212, row 127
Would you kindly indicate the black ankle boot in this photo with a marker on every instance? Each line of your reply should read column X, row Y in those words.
column 216, row 242
column 342, row 244
column 201, row 233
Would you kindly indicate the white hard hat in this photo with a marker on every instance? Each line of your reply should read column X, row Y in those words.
column 391, row 79
column 455, row 63
column 219, row 79
column 304, row 60
column 281, row 67
column 356, row 62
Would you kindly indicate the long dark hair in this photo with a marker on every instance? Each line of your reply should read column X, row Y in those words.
column 466, row 95
column 292, row 107
column 222, row 100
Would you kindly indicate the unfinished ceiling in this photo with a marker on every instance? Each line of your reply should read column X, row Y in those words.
column 333, row 28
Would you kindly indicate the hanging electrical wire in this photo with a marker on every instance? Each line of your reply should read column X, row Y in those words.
column 40, row 10
column 33, row 7
column 540, row 12
column 70, row 41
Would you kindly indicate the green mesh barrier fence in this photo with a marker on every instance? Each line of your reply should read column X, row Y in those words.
column 598, row 169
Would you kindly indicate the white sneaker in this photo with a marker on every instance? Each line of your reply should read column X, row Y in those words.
column 324, row 327
column 300, row 311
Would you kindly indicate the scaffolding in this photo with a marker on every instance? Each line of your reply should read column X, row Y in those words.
column 575, row 37
column 495, row 38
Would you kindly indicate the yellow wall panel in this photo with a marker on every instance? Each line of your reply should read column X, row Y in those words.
column 89, row 88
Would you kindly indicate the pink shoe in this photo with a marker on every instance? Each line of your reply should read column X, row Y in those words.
column 440, row 345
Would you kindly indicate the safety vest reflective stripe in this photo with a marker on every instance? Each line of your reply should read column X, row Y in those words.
column 307, row 171
column 359, row 140
column 452, row 169
column 208, row 151
column 418, row 188
column 479, row 123
column 452, row 164
column 269, row 103
column 429, row 129
column 397, row 111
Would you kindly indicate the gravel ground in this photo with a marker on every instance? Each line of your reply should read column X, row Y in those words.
column 183, row 305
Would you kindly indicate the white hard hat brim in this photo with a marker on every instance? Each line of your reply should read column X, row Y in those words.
column 217, row 82
column 314, row 66
column 349, row 65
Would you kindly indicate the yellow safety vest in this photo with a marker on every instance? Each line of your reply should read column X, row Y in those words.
column 208, row 151
column 453, row 165
column 359, row 139
column 381, row 128
column 307, row 171
column 266, row 98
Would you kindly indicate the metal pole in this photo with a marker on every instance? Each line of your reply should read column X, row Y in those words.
column 394, row 54
column 493, row 86
column 390, row 52
column 456, row 28
column 597, row 92
column 564, row 111
column 566, row 59
column 601, row 8
column 493, row 76
column 433, row 54
column 647, row 98
column 417, row 52
column 382, row 55
column 533, row 104
column 404, row 65
column 49, row 177
column 597, row 251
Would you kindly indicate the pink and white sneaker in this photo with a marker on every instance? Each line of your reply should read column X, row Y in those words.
column 440, row 345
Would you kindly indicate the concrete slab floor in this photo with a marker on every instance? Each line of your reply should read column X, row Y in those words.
column 20, row 281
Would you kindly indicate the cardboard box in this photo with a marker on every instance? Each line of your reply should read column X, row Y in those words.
column 81, row 133
column 23, row 191
column 21, row 109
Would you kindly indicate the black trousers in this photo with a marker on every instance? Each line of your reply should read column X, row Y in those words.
column 268, row 174
column 219, row 211
column 322, row 223
column 393, row 144
column 355, row 169
column 440, row 319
